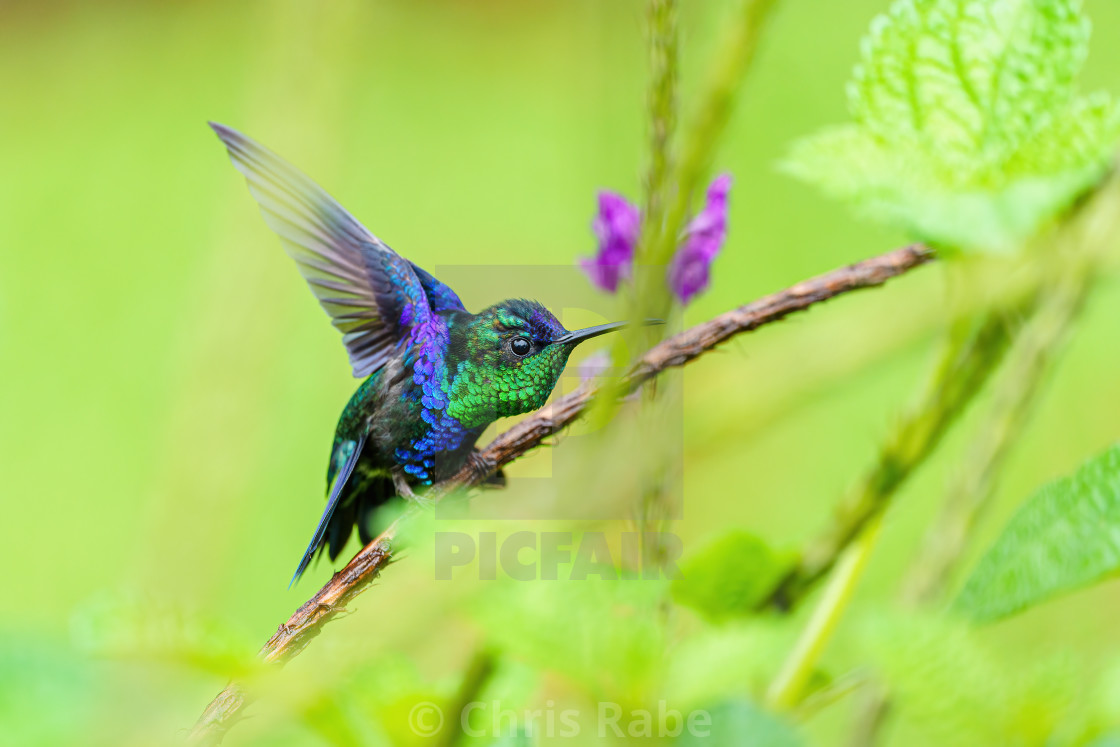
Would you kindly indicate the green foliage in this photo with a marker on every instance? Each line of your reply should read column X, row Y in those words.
column 739, row 722
column 949, row 685
column 520, row 739
column 967, row 129
column 737, row 659
column 199, row 434
column 122, row 626
column 730, row 576
column 36, row 680
column 1105, row 705
column 606, row 635
column 1064, row 537
column 373, row 703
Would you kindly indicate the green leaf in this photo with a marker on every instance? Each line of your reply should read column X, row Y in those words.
column 739, row 722
column 603, row 634
column 728, row 578
column 382, row 701
column 966, row 77
column 946, row 684
column 734, row 660
column 967, row 131
column 1066, row 536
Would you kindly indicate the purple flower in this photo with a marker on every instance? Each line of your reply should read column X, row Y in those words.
column 617, row 226
column 690, row 270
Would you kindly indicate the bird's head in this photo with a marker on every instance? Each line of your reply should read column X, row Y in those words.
column 506, row 360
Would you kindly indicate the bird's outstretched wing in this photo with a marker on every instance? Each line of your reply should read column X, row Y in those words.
column 372, row 294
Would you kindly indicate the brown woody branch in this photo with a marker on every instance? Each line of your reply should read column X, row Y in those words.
column 306, row 623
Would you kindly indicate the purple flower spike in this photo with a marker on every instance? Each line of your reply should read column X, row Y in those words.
column 617, row 226
column 690, row 270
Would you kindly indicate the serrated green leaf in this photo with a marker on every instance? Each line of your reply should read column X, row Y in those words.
column 1066, row 536
column 965, row 79
column 1086, row 135
column 967, row 131
column 727, row 578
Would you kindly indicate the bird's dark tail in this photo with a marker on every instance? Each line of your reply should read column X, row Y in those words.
column 328, row 513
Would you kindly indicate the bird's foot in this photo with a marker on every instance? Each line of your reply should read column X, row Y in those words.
column 480, row 465
column 400, row 482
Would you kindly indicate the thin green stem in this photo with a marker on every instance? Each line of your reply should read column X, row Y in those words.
column 972, row 351
column 1034, row 350
column 737, row 51
column 786, row 691
column 662, row 102
column 655, row 500
column 871, row 713
column 479, row 672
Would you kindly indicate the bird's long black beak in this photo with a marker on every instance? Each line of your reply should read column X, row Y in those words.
column 574, row 338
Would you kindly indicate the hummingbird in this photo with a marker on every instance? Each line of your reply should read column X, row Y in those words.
column 434, row 374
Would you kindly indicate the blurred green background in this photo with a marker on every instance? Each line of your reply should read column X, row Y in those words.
column 170, row 387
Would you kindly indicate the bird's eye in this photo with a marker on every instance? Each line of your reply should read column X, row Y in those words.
column 520, row 346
